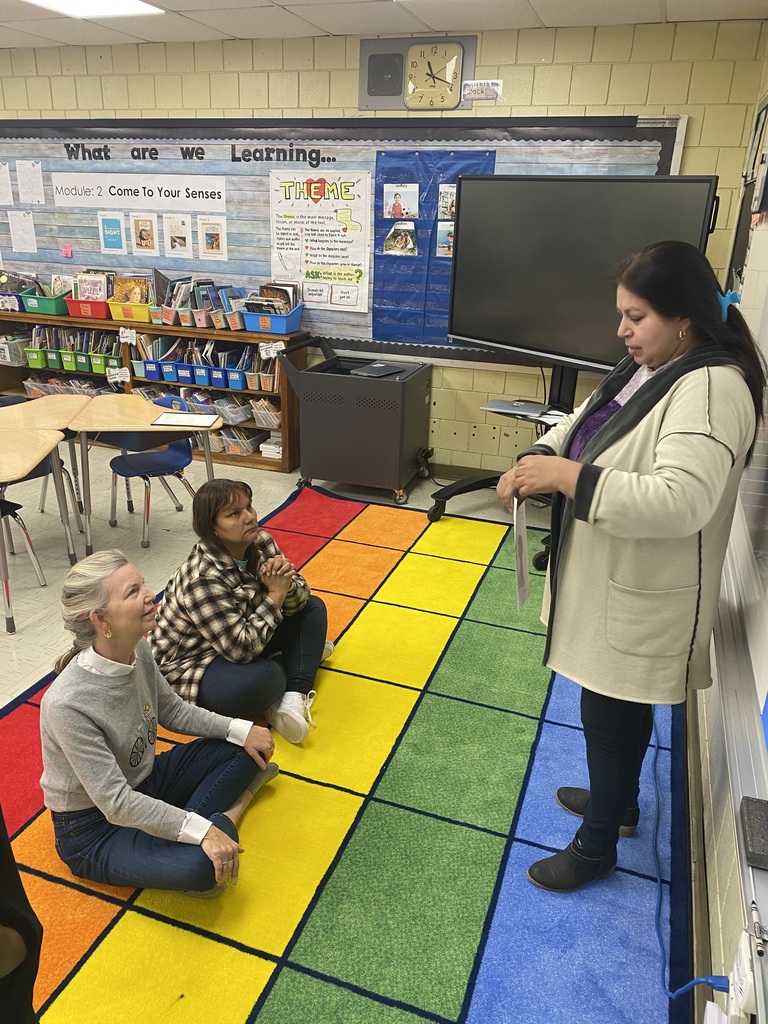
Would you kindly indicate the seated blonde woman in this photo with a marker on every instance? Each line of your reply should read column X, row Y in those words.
column 238, row 630
column 124, row 814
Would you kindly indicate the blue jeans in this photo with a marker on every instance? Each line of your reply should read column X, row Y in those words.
column 288, row 662
column 206, row 776
column 617, row 733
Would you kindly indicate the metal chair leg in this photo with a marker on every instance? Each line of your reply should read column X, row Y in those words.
column 113, row 501
column 10, row 625
column 187, row 484
column 73, row 499
column 43, row 493
column 28, row 545
column 147, row 496
column 75, row 473
column 128, row 496
column 8, row 537
column 176, row 503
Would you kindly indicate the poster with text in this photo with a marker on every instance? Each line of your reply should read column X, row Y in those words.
column 144, row 237
column 320, row 232
column 177, row 233
column 112, row 233
column 212, row 237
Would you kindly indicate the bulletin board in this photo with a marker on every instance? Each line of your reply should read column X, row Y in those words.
column 250, row 202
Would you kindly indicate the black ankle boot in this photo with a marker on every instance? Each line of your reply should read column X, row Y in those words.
column 575, row 800
column 570, row 869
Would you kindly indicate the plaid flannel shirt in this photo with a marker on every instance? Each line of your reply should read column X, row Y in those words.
column 211, row 607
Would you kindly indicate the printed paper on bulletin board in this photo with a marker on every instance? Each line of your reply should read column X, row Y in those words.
column 321, row 236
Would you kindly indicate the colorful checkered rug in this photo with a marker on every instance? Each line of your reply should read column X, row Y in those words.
column 384, row 875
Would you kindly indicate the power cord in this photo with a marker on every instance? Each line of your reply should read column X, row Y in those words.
column 719, row 982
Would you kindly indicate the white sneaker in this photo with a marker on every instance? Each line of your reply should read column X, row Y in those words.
column 291, row 716
column 327, row 651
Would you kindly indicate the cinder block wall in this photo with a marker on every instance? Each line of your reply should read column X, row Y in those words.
column 710, row 71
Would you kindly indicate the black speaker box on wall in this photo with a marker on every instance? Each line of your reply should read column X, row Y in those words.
column 385, row 74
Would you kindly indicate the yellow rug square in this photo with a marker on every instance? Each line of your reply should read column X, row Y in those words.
column 290, row 835
column 385, row 527
column 442, row 585
column 399, row 645
column 358, row 721
column 152, row 971
column 466, row 539
column 352, row 569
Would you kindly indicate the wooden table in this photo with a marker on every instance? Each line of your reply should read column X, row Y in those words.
column 20, row 452
column 120, row 413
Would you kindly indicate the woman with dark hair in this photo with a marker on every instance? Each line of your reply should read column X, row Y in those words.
column 644, row 477
column 123, row 813
column 238, row 631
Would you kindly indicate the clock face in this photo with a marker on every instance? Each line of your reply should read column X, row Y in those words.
column 434, row 75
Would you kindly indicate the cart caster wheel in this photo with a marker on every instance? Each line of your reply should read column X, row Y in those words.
column 424, row 472
column 113, row 522
column 434, row 513
column 302, row 482
column 540, row 559
column 401, row 497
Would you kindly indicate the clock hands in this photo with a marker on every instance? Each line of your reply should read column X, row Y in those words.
column 433, row 77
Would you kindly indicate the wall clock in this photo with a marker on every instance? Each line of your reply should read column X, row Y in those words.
column 433, row 75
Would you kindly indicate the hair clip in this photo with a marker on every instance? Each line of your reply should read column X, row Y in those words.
column 729, row 299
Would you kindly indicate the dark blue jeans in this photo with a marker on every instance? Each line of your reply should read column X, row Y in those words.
column 206, row 776
column 617, row 733
column 288, row 662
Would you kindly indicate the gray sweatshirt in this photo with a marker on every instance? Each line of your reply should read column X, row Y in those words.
column 98, row 723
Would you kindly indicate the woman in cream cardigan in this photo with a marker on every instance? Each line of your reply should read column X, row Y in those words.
column 644, row 477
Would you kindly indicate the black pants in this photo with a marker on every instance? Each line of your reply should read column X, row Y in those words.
column 617, row 733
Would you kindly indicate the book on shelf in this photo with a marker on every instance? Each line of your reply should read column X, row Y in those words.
column 131, row 289
column 92, row 286
column 286, row 294
column 61, row 284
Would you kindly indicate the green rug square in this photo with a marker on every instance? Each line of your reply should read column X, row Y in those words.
column 495, row 602
column 462, row 762
column 505, row 557
column 403, row 912
column 299, row 998
column 495, row 666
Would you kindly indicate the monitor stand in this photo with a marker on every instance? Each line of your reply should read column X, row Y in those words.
column 562, row 395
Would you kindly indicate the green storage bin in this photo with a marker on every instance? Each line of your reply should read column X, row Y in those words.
column 50, row 305
column 53, row 358
column 36, row 358
column 68, row 360
column 98, row 362
column 83, row 361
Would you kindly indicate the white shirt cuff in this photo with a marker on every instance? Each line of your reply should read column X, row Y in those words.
column 193, row 829
column 238, row 730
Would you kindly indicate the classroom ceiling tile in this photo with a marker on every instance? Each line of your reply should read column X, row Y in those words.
column 566, row 13
column 162, row 28
column 182, row 6
column 14, row 37
column 458, row 16
column 715, row 10
column 70, row 31
column 263, row 23
column 17, row 10
column 358, row 18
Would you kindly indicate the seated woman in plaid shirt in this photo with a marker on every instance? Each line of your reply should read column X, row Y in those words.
column 237, row 631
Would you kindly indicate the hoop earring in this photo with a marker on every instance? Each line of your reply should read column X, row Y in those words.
column 681, row 334
column 107, row 633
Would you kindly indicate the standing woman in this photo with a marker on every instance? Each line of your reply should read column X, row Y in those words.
column 122, row 813
column 238, row 631
column 644, row 477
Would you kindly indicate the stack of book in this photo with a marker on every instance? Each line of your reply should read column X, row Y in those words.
column 273, row 298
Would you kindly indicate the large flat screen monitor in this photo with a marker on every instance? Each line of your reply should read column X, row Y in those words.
column 533, row 257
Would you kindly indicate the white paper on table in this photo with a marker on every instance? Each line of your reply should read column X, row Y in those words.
column 22, row 227
column 183, row 419
column 29, row 178
column 6, row 192
column 523, row 583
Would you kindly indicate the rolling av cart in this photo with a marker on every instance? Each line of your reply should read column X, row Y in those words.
column 362, row 421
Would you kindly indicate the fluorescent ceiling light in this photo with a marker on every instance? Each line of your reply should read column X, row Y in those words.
column 97, row 8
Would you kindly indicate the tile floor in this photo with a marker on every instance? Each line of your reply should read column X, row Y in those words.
column 28, row 654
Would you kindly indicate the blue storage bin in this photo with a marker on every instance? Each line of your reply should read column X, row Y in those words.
column 152, row 370
column 186, row 373
column 169, row 372
column 236, row 379
column 219, row 377
column 202, row 374
column 264, row 323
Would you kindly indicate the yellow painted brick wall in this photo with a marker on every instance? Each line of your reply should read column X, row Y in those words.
column 713, row 72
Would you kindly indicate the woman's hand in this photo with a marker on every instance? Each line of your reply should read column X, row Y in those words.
column 259, row 745
column 277, row 565
column 538, row 474
column 223, row 853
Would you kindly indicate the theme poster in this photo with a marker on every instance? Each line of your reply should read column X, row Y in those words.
column 321, row 236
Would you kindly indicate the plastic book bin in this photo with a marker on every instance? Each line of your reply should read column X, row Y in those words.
column 236, row 379
column 202, row 317
column 12, row 351
column 219, row 318
column 186, row 373
column 137, row 367
column 156, row 314
column 68, row 360
column 83, row 361
column 55, row 305
column 88, row 308
column 202, row 374
column 186, row 319
column 235, row 320
column 265, row 323
column 36, row 358
column 152, row 370
column 169, row 372
column 266, row 382
column 137, row 311
column 170, row 315
column 13, row 302
column 98, row 362
column 53, row 358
